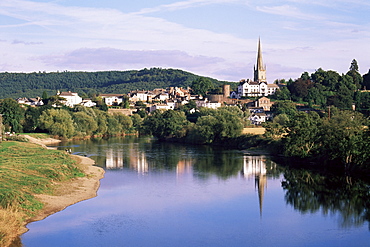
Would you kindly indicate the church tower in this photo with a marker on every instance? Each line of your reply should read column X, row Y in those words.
column 260, row 68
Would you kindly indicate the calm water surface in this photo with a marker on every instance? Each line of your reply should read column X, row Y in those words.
column 161, row 194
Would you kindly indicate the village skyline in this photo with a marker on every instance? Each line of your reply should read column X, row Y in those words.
column 210, row 38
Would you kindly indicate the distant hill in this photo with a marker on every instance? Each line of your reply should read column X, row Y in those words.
column 16, row 85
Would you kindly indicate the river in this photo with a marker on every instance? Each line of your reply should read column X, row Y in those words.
column 165, row 194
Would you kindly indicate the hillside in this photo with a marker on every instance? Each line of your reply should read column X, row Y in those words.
column 15, row 85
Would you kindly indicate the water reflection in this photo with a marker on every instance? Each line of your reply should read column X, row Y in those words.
column 310, row 192
column 165, row 194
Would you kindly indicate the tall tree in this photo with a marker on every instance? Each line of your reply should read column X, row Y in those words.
column 366, row 80
column 57, row 122
column 13, row 115
column 201, row 85
column 356, row 76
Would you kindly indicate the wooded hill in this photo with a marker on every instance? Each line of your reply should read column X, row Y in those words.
column 16, row 85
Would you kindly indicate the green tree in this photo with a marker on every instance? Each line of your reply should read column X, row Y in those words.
column 356, row 76
column 216, row 125
column 166, row 124
column 124, row 121
column 101, row 119
column 45, row 95
column 136, row 121
column 57, row 122
column 85, row 125
column 303, row 136
column 283, row 94
column 285, row 106
column 13, row 115
column 201, row 85
column 366, row 80
column 345, row 138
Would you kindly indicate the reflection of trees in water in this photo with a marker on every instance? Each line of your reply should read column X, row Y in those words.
column 222, row 163
column 310, row 192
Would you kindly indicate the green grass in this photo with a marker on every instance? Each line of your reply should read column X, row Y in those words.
column 27, row 169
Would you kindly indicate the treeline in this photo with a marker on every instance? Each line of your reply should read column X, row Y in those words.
column 66, row 122
column 328, row 88
column 340, row 137
column 204, row 126
column 16, row 85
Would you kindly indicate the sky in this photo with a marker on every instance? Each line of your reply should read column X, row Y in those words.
column 215, row 38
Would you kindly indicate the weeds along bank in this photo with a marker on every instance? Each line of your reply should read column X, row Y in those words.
column 27, row 170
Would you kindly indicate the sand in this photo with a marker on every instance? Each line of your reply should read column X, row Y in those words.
column 70, row 192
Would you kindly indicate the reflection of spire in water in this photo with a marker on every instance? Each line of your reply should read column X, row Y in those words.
column 255, row 166
column 261, row 183
column 114, row 159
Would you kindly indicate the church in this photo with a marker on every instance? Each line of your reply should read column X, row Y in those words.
column 259, row 86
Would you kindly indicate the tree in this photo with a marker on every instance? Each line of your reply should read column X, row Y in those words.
column 354, row 66
column 57, row 122
column 217, row 125
column 282, row 94
column 13, row 115
column 166, row 124
column 285, row 106
column 85, row 124
column 366, row 80
column 124, row 121
column 345, row 138
column 356, row 76
column 45, row 95
column 201, row 85
column 302, row 139
column 299, row 89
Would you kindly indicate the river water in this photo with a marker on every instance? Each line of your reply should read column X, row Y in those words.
column 164, row 194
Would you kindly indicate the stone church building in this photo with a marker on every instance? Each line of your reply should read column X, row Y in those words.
column 259, row 86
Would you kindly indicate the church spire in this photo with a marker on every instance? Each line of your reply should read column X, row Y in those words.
column 260, row 68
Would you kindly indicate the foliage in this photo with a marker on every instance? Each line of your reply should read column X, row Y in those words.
column 13, row 115
column 16, row 85
column 312, row 192
column 58, row 122
column 201, row 86
column 217, row 125
column 342, row 136
column 165, row 124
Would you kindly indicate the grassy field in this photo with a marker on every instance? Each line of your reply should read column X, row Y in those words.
column 27, row 169
column 254, row 131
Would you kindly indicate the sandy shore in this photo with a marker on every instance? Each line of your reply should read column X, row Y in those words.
column 70, row 192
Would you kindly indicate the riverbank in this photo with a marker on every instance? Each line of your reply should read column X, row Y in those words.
column 50, row 181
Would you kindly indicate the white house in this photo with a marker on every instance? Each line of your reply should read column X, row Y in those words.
column 71, row 99
column 112, row 99
column 208, row 104
column 160, row 106
column 88, row 103
column 258, row 118
column 31, row 101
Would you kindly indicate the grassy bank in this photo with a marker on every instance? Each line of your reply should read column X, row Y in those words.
column 27, row 169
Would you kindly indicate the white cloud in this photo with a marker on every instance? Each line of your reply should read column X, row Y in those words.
column 289, row 11
column 183, row 5
column 105, row 58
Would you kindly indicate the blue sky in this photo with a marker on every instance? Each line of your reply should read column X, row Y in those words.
column 216, row 38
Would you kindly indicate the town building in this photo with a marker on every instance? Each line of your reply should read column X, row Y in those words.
column 71, row 99
column 112, row 99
